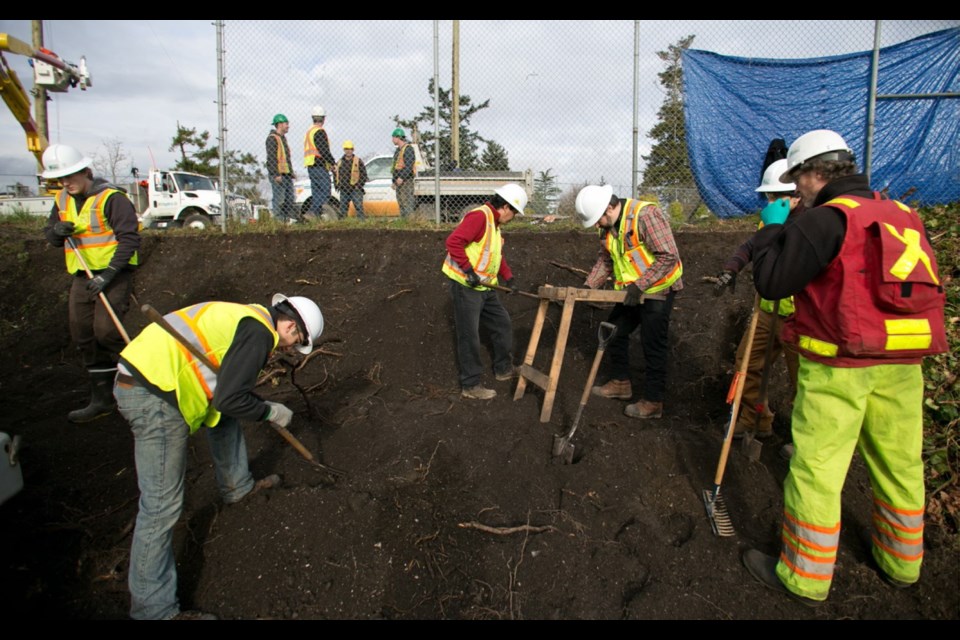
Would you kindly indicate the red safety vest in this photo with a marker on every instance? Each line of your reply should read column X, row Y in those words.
column 880, row 301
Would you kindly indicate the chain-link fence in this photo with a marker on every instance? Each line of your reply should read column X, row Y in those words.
column 550, row 104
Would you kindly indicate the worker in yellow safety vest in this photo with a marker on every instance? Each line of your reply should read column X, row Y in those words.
column 318, row 160
column 279, row 170
column 475, row 259
column 104, row 234
column 167, row 393
column 350, row 174
column 869, row 307
column 404, row 172
column 638, row 249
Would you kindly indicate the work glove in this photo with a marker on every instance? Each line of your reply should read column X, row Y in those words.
column 512, row 285
column 725, row 279
column 633, row 295
column 279, row 414
column 64, row 229
column 99, row 282
column 776, row 212
column 473, row 280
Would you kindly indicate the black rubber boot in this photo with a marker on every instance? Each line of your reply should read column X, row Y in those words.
column 101, row 397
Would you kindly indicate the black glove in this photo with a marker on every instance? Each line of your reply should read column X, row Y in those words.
column 99, row 282
column 511, row 284
column 633, row 295
column 725, row 279
column 473, row 280
column 64, row 229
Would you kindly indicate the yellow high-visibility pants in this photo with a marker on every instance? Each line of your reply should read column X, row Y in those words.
column 877, row 411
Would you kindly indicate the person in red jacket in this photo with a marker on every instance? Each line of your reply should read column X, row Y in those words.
column 869, row 306
column 474, row 259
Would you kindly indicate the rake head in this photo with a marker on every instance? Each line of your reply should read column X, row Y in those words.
column 717, row 513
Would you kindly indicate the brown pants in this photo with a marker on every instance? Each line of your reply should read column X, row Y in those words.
column 91, row 327
column 747, row 418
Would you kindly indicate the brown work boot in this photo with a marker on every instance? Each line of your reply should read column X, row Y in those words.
column 761, row 433
column 509, row 374
column 618, row 389
column 644, row 409
column 478, row 392
column 764, row 569
column 271, row 481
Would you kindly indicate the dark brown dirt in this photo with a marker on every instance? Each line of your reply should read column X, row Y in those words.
column 621, row 533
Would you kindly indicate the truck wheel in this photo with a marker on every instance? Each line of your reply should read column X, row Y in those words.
column 197, row 221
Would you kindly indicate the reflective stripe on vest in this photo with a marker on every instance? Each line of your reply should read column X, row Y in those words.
column 94, row 237
column 399, row 163
column 310, row 150
column 283, row 164
column 354, row 170
column 785, row 309
column 167, row 364
column 809, row 550
column 484, row 255
column 898, row 532
column 631, row 258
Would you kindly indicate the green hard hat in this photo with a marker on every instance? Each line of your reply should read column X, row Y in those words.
column 277, row 119
column 398, row 133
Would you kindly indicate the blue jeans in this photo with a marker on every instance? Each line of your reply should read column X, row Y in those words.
column 471, row 310
column 355, row 196
column 319, row 187
column 283, row 198
column 160, row 452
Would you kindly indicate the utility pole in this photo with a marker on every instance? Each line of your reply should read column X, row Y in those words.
column 455, row 90
column 40, row 94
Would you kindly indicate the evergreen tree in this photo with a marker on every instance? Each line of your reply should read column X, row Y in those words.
column 199, row 159
column 668, row 164
column 545, row 193
column 494, row 158
column 469, row 140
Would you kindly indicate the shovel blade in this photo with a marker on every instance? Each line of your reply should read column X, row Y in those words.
column 562, row 450
column 751, row 447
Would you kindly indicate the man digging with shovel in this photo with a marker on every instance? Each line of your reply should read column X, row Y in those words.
column 167, row 394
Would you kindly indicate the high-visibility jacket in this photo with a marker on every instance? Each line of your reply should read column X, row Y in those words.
column 94, row 236
column 283, row 162
column 354, row 171
column 484, row 255
column 168, row 365
column 880, row 301
column 398, row 160
column 630, row 256
column 310, row 150
column 786, row 306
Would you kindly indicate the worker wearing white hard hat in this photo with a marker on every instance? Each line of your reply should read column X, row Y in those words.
column 766, row 345
column 869, row 307
column 167, row 394
column 97, row 226
column 638, row 250
column 319, row 161
column 474, row 263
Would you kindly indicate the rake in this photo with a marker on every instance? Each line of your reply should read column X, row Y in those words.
column 712, row 500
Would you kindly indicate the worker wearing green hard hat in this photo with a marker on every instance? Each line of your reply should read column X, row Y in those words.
column 277, row 119
column 404, row 171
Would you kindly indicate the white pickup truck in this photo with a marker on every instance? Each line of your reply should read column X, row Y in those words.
column 460, row 191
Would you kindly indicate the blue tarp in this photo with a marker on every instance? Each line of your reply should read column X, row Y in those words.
column 734, row 107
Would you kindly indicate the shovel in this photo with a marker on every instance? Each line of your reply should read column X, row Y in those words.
column 509, row 290
column 716, row 508
column 155, row 316
column 562, row 447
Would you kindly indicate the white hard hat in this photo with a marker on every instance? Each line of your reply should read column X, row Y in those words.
column 319, row 111
column 311, row 320
column 59, row 160
column 515, row 195
column 771, row 179
column 813, row 144
column 592, row 202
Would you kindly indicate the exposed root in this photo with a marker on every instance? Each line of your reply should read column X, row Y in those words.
column 506, row 531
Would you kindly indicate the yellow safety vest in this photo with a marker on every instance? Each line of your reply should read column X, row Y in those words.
column 168, row 365
column 94, row 237
column 398, row 162
column 354, row 170
column 630, row 256
column 484, row 255
column 310, row 150
column 283, row 164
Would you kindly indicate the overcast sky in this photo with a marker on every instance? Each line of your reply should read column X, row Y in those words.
column 560, row 91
